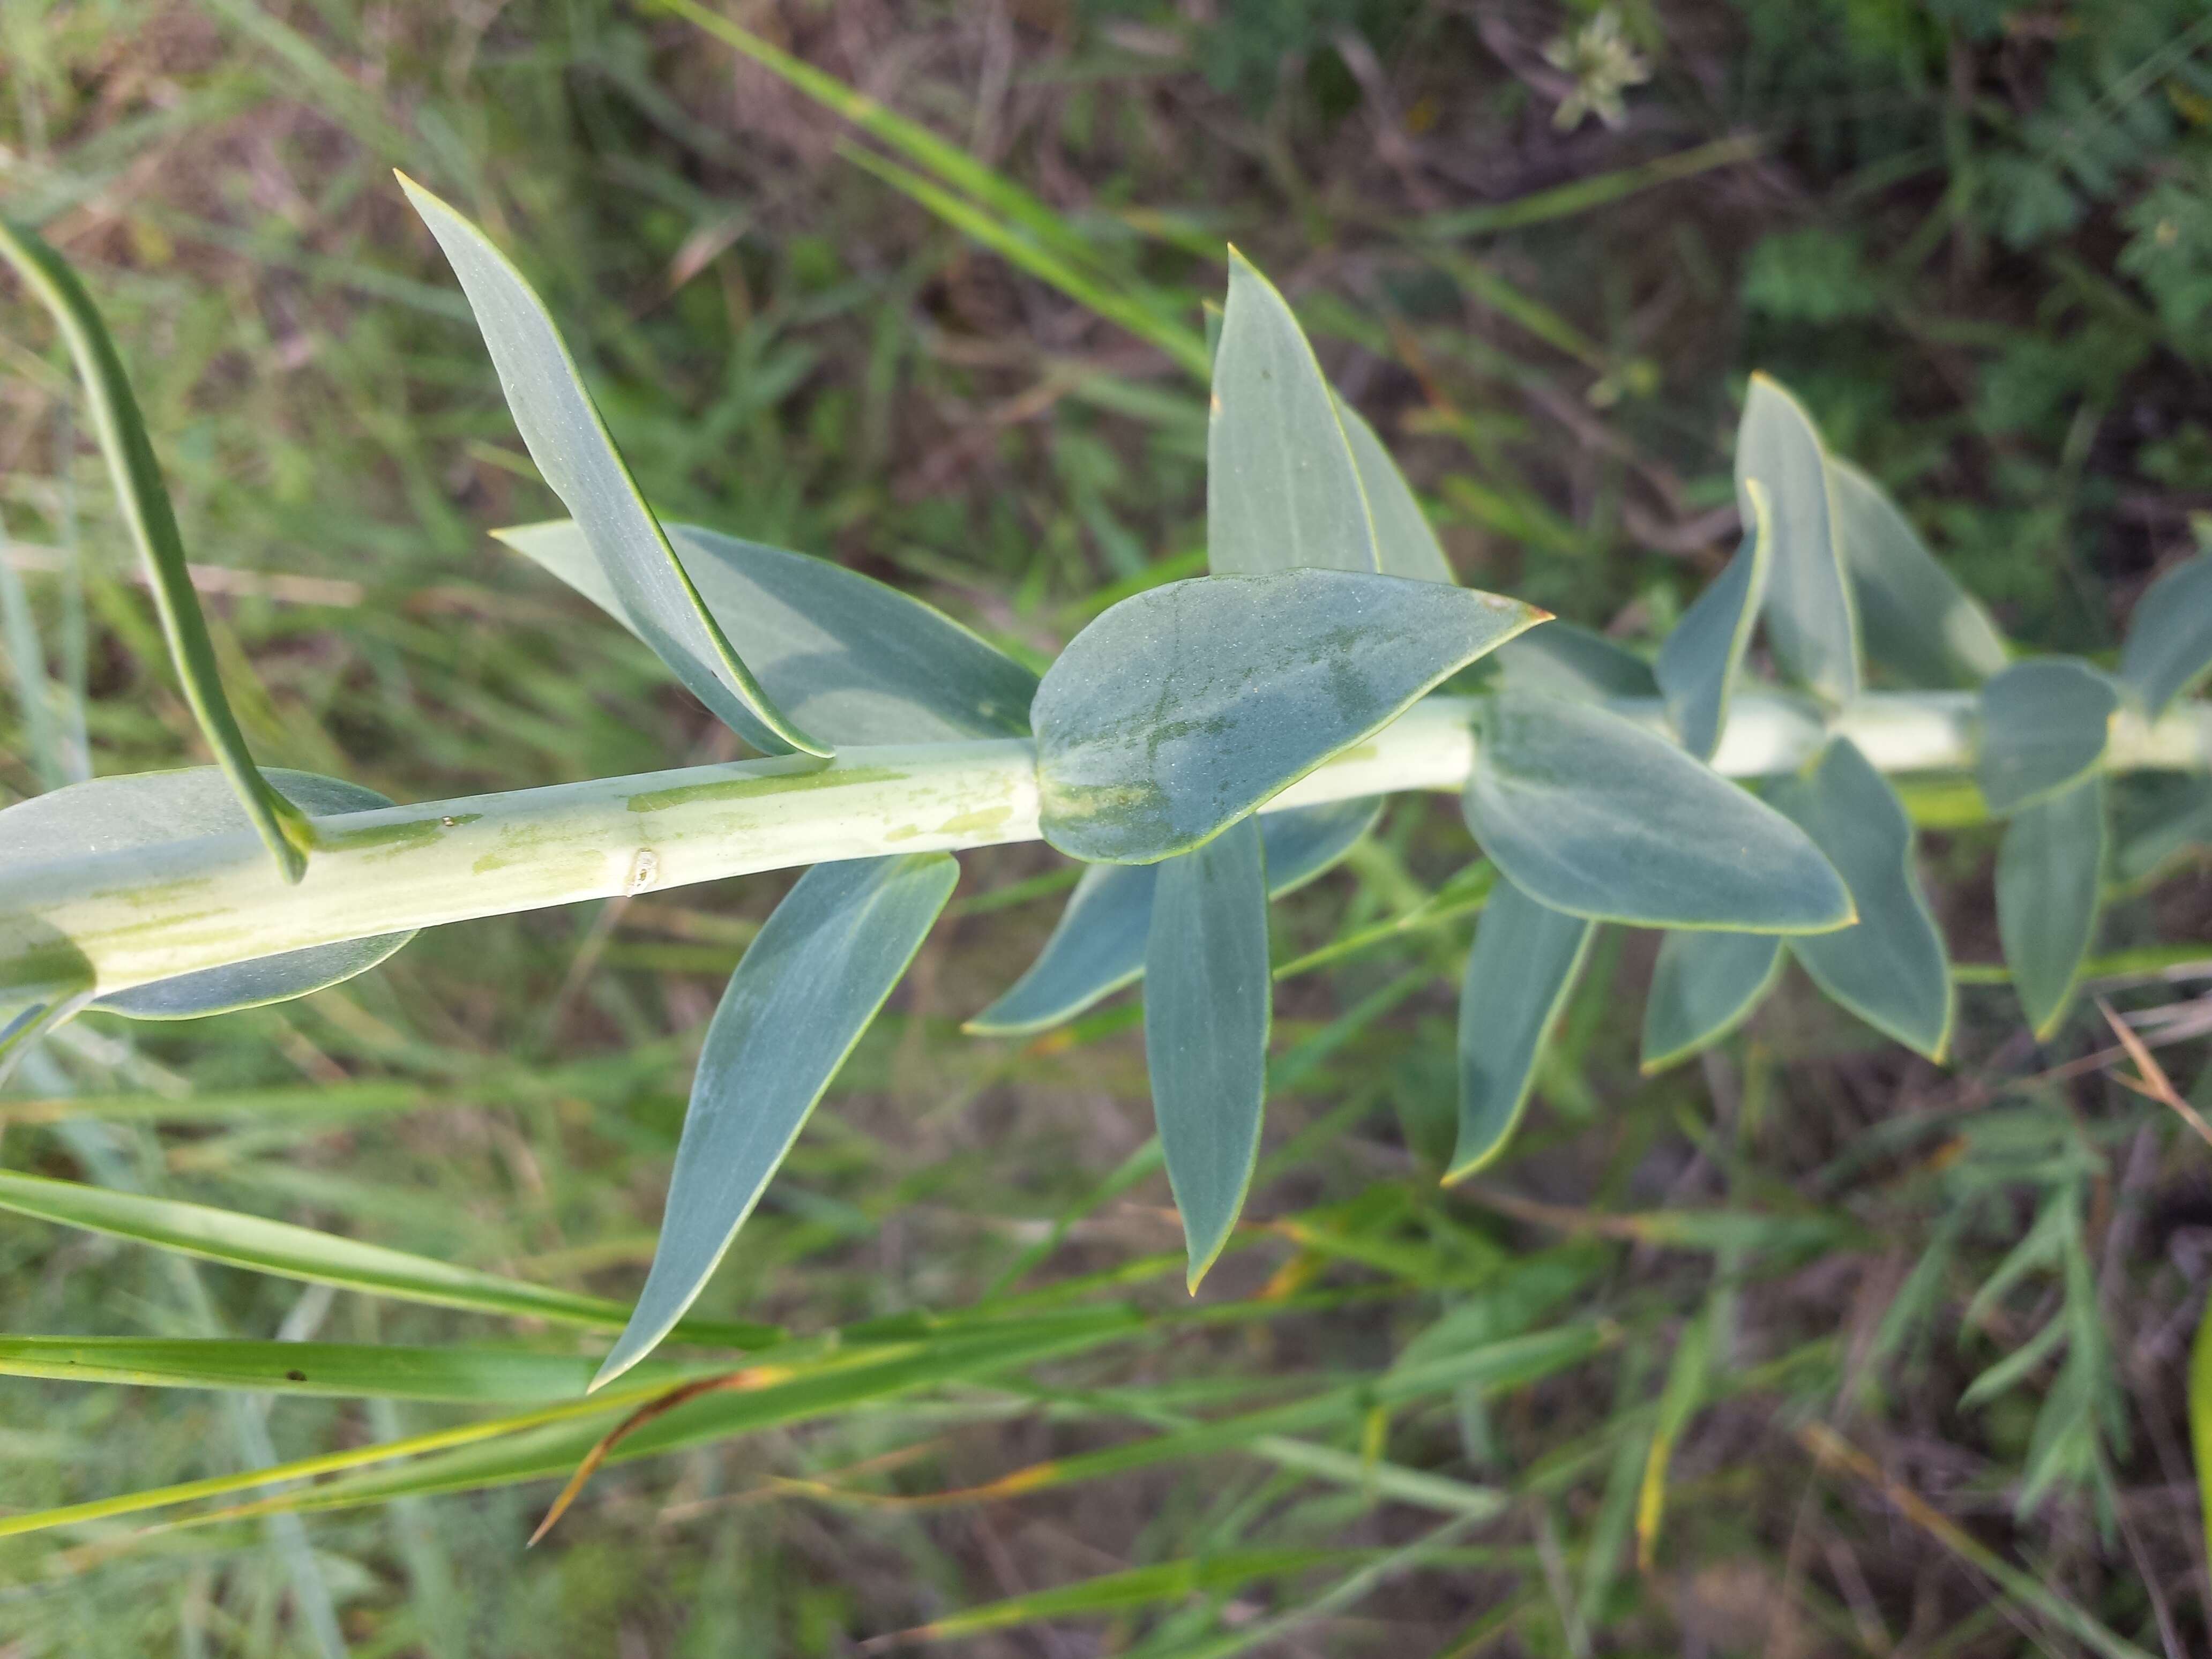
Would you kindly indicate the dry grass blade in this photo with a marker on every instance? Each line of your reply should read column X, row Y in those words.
column 2154, row 1083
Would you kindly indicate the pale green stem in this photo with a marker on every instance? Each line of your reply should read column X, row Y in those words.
column 125, row 918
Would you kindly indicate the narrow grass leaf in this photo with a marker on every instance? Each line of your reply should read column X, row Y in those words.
column 1703, row 987
column 1405, row 544
column 27, row 665
column 1185, row 706
column 1699, row 663
column 144, row 501
column 1283, row 488
column 1206, row 1005
column 1563, row 661
column 2050, row 889
column 1917, row 621
column 1137, row 1587
column 562, row 428
column 2169, row 644
column 1889, row 968
column 1812, row 617
column 2043, row 724
column 1678, row 1402
column 809, row 983
column 1098, row 944
column 2199, row 1419
column 856, row 660
column 1588, row 812
column 1519, row 976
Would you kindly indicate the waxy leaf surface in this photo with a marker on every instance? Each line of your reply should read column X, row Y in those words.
column 809, row 984
column 1811, row 617
column 1588, row 813
column 1889, row 968
column 2050, row 887
column 1207, row 996
column 1703, row 987
column 2043, row 724
column 2169, row 644
column 1185, row 706
column 1405, row 544
column 1916, row 621
column 1699, row 663
column 1563, row 661
column 1524, row 963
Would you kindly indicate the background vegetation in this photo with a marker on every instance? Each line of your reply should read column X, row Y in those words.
column 1976, row 235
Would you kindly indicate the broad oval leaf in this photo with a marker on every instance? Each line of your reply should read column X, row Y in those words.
column 808, row 985
column 2043, row 724
column 1208, row 999
column 2050, row 889
column 853, row 660
column 1405, row 544
column 1526, row 959
column 1916, row 619
column 2169, row 646
column 146, row 808
column 1588, row 812
column 1703, row 987
column 1282, row 486
column 1098, row 944
column 1812, row 619
column 1889, row 968
column 1563, row 661
column 1185, row 706
column 562, row 429
column 1699, row 663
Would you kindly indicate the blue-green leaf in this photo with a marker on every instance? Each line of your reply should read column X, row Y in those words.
column 1282, row 485
column 1703, row 987
column 855, row 661
column 2158, row 818
column 1207, row 1003
column 1812, row 620
column 2169, row 644
column 1185, row 706
column 1524, row 963
column 562, row 428
column 2043, row 724
column 146, row 808
column 1098, row 945
column 1698, row 664
column 1405, row 544
column 1563, row 660
column 809, row 985
column 2050, row 888
column 1889, row 968
column 1916, row 619
column 1589, row 813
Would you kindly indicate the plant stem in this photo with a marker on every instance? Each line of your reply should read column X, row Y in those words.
column 129, row 918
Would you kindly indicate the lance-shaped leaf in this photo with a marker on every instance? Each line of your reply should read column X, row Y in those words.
column 1523, row 966
column 1812, row 619
column 2169, row 646
column 851, row 659
column 1563, row 660
column 562, row 428
column 1098, row 944
column 144, row 501
column 2043, row 724
column 1703, row 987
column 1405, row 544
column 1283, row 490
column 1588, row 812
column 2050, row 888
column 1207, row 1003
column 1698, row 664
column 1916, row 621
column 1889, row 968
column 149, row 808
column 811, row 982
column 1185, row 706
column 2158, row 818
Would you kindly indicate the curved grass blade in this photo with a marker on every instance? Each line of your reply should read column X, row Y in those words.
column 1698, row 664
column 1889, row 968
column 144, row 501
column 1588, row 812
column 2043, row 724
column 1283, row 488
column 1098, row 945
column 856, row 661
column 1405, row 544
column 2050, row 888
column 1526, row 959
column 25, row 1026
column 562, row 428
column 2169, row 644
column 809, row 985
column 1703, row 987
column 1563, row 661
column 1916, row 619
column 1207, row 1002
column 1812, row 617
column 149, row 808
column 1185, row 706
column 2200, row 1418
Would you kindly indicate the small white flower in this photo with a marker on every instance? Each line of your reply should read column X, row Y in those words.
column 1603, row 62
